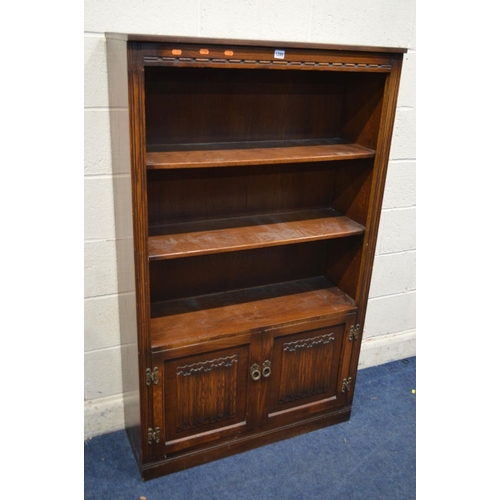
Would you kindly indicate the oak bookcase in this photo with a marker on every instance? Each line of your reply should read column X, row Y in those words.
column 248, row 215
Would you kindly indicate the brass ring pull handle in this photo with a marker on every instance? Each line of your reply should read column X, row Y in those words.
column 266, row 369
column 255, row 372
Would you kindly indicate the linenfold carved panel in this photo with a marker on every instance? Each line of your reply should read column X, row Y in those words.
column 206, row 392
column 303, row 372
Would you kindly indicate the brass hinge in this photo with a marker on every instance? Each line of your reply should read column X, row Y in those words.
column 346, row 384
column 354, row 332
column 153, row 435
column 152, row 376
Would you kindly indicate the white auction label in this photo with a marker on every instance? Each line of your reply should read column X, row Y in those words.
column 279, row 54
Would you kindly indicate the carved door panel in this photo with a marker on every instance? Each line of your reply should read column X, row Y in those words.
column 205, row 396
column 310, row 371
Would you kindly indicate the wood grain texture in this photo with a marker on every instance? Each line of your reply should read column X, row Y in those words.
column 120, row 148
column 375, row 197
column 255, row 156
column 207, row 391
column 220, row 193
column 388, row 114
column 139, row 204
column 308, row 369
column 361, row 109
column 202, row 41
column 193, row 106
column 203, row 318
column 244, row 233
column 300, row 360
column 256, row 201
column 229, row 271
column 203, row 394
column 227, row 446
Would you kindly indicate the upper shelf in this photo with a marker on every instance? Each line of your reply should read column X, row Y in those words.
column 255, row 153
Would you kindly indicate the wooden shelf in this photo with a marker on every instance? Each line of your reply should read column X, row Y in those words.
column 255, row 153
column 244, row 233
column 195, row 319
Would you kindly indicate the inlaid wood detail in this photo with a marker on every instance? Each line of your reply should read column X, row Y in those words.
column 263, row 62
column 303, row 372
column 206, row 392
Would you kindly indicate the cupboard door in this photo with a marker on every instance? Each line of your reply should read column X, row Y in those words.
column 204, row 396
column 308, row 369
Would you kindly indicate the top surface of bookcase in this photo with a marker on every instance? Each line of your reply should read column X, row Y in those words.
column 133, row 37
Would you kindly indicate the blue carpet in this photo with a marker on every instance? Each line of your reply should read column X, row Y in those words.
column 370, row 457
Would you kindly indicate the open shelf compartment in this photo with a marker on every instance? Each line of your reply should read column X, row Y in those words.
column 210, row 117
column 213, row 316
column 216, row 295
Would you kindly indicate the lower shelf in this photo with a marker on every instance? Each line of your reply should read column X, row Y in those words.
column 180, row 322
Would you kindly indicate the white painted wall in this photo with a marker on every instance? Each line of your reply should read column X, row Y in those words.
column 390, row 323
